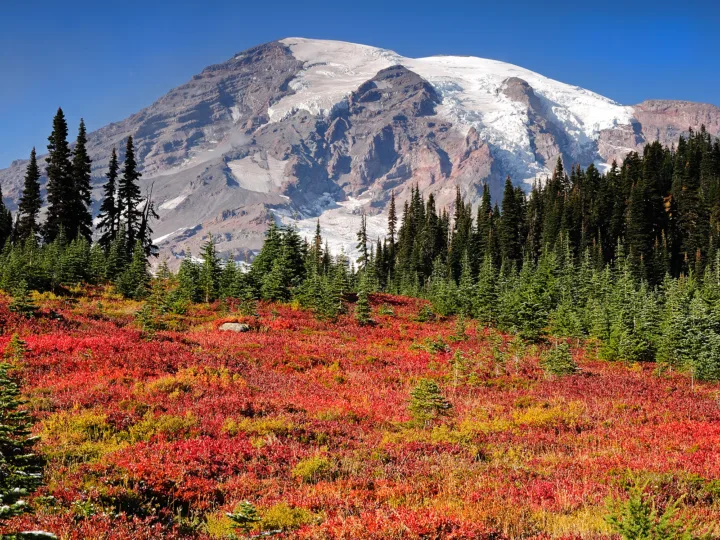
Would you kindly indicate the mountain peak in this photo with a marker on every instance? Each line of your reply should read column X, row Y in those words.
column 299, row 128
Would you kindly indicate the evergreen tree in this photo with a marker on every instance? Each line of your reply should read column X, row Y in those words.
column 117, row 258
column 271, row 250
column 210, row 271
column 427, row 402
column 486, row 293
column 109, row 214
column 145, row 231
column 189, row 289
column 30, row 202
column 61, row 195
column 22, row 303
column 510, row 225
column 558, row 361
column 392, row 219
column 82, row 190
column 362, row 245
column 362, row 307
column 20, row 468
column 134, row 281
column 276, row 284
column 466, row 289
column 5, row 222
column 129, row 196
column 244, row 517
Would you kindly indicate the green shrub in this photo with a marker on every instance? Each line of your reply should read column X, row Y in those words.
column 314, row 469
column 425, row 314
column 244, row 517
column 427, row 402
column 639, row 518
column 558, row 361
column 282, row 517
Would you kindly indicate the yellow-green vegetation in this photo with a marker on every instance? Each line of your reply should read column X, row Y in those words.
column 257, row 426
column 171, row 426
column 314, row 469
column 86, row 436
column 279, row 517
column 285, row 518
column 191, row 379
column 78, row 436
column 585, row 522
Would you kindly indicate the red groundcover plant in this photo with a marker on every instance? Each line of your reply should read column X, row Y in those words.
column 162, row 435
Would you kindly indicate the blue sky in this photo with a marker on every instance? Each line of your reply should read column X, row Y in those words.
column 106, row 60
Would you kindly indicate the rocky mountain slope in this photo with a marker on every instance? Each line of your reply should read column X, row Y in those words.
column 299, row 129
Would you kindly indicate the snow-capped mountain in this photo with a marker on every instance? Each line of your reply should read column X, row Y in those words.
column 299, row 129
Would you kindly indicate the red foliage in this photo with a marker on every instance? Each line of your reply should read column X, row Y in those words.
column 295, row 389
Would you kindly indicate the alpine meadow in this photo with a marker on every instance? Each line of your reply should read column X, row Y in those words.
column 323, row 290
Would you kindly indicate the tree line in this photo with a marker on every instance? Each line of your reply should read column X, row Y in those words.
column 627, row 257
column 544, row 265
column 59, row 249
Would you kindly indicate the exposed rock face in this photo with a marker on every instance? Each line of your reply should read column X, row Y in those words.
column 297, row 129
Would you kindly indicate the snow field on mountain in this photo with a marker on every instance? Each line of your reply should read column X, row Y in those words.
column 471, row 89
column 339, row 226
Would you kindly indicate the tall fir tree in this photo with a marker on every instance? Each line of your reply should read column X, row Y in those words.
column 362, row 244
column 82, row 189
column 109, row 214
column 30, row 202
column 6, row 222
column 60, row 185
column 210, row 271
column 510, row 225
column 129, row 196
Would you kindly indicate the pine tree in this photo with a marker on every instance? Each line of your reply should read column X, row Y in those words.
column 134, row 281
column 466, row 289
column 98, row 264
column 558, row 361
column 244, row 517
column 510, row 225
column 392, row 219
column 276, row 284
column 362, row 307
column 5, row 222
column 486, row 293
column 144, row 234
column 315, row 253
column 427, row 402
column 61, row 196
column 362, row 245
column 82, row 190
column 109, row 215
column 209, row 272
column 188, row 281
column 117, row 259
column 271, row 250
column 15, row 351
column 129, row 196
column 22, row 303
column 20, row 468
column 30, row 202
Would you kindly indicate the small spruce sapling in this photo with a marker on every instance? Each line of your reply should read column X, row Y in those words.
column 244, row 517
column 427, row 402
column 22, row 303
column 558, row 361
column 362, row 308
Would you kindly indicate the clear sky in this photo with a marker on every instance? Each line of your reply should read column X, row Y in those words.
column 106, row 60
